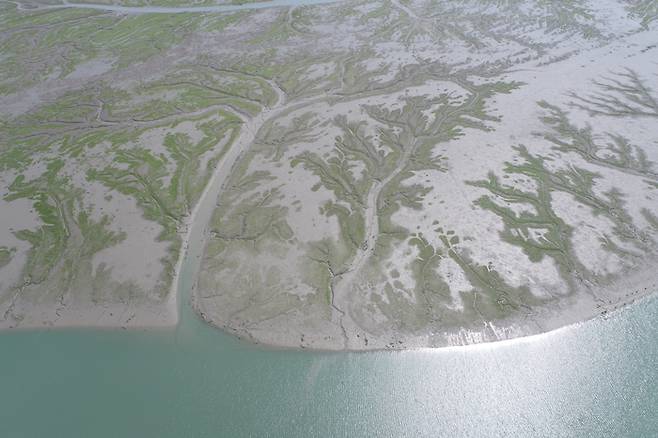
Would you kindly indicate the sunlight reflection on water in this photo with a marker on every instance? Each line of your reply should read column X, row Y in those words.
column 595, row 379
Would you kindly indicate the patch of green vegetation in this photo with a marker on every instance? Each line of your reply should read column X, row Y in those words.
column 651, row 219
column 327, row 259
column 621, row 95
column 50, row 43
column 492, row 297
column 568, row 15
column 538, row 230
column 363, row 167
column 290, row 23
column 201, row 86
column 161, row 3
column 67, row 233
column 423, row 306
column 412, row 138
column 274, row 139
column 485, row 23
column 98, row 121
column 250, row 223
column 541, row 232
column 254, row 219
column 644, row 10
column 52, row 201
column 336, row 173
column 430, row 304
column 70, row 125
column 6, row 255
column 82, row 120
column 143, row 175
column 617, row 154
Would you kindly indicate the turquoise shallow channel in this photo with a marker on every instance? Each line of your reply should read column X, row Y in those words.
column 597, row 379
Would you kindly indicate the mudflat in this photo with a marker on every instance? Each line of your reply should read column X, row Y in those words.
column 366, row 175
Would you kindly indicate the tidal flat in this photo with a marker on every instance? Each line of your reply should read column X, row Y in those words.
column 360, row 175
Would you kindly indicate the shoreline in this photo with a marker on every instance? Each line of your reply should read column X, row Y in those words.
column 551, row 325
column 557, row 317
column 142, row 318
column 276, row 348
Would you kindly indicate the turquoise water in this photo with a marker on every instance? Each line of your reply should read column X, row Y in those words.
column 598, row 379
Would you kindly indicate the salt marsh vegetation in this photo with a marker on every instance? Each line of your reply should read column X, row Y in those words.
column 390, row 174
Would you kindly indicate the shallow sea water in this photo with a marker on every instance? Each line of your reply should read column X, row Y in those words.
column 597, row 379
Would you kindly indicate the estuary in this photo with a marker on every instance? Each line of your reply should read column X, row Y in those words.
column 310, row 218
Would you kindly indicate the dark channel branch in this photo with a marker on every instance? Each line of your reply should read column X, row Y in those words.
column 623, row 94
